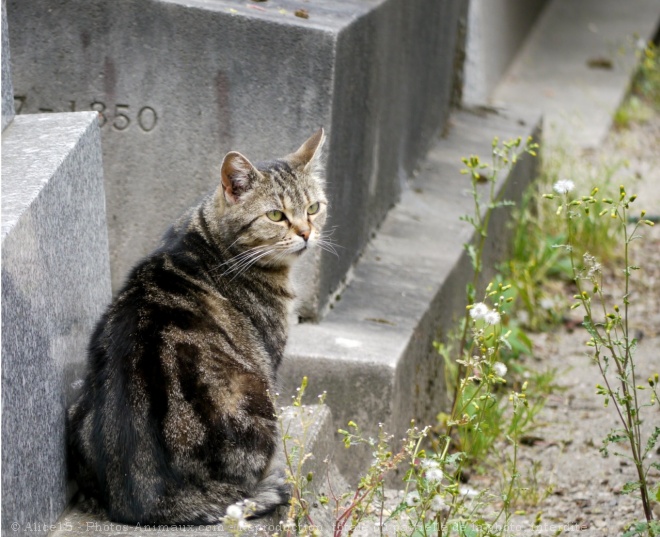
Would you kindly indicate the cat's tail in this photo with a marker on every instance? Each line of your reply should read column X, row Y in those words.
column 271, row 492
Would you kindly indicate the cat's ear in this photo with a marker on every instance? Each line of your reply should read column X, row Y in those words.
column 238, row 174
column 308, row 155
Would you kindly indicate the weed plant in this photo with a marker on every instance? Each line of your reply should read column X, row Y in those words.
column 644, row 97
column 612, row 343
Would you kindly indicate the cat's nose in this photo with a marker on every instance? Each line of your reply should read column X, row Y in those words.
column 304, row 233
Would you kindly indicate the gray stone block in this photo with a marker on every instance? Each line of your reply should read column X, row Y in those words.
column 312, row 432
column 373, row 351
column 496, row 29
column 180, row 83
column 55, row 283
column 7, row 89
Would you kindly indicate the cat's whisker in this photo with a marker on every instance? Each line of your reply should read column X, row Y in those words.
column 329, row 231
column 283, row 254
column 327, row 238
column 328, row 247
column 242, row 256
column 232, row 244
column 247, row 252
column 240, row 266
column 245, row 263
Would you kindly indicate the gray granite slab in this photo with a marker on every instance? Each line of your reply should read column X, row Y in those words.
column 55, row 283
column 180, row 83
column 7, row 88
column 496, row 29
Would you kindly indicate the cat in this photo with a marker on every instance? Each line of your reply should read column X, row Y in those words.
column 176, row 421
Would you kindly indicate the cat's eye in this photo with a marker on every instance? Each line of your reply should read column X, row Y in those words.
column 275, row 216
column 313, row 208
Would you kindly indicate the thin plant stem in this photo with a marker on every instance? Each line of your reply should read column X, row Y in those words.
column 627, row 406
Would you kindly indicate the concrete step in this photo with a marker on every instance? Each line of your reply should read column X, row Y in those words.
column 55, row 284
column 310, row 429
column 180, row 83
column 373, row 352
column 495, row 31
column 576, row 66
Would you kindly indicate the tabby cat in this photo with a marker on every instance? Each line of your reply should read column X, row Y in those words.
column 175, row 421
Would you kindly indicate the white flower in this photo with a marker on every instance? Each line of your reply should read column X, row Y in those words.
column 412, row 499
column 595, row 269
column 492, row 317
column 564, row 186
column 434, row 474
column 234, row 511
column 478, row 311
column 438, row 505
column 500, row 369
column 594, row 266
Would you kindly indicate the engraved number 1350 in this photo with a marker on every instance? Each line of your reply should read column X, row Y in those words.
column 122, row 117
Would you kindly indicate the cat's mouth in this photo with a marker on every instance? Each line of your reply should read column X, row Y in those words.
column 302, row 247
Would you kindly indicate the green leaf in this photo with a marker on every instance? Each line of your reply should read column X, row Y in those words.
column 472, row 252
column 400, row 508
column 631, row 486
column 653, row 439
column 588, row 325
column 643, row 528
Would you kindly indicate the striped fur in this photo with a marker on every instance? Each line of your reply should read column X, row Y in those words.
column 176, row 421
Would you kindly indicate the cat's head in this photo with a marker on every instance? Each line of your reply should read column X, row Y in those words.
column 274, row 211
